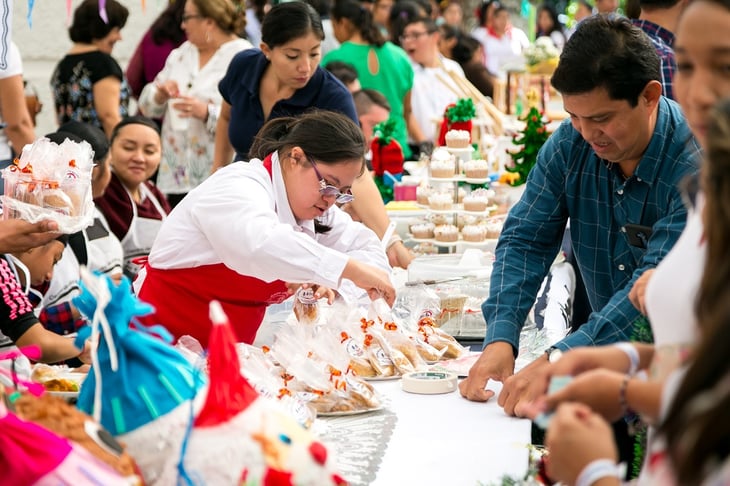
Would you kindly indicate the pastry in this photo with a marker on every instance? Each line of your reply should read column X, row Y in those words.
column 476, row 169
column 422, row 230
column 477, row 200
column 422, row 193
column 457, row 138
column 442, row 164
column 473, row 232
column 440, row 201
column 446, row 232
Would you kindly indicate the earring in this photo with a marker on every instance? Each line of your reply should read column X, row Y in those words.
column 207, row 37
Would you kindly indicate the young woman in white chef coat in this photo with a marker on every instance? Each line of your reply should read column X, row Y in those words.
column 250, row 229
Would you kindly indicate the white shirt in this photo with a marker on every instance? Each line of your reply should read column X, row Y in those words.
column 13, row 66
column 433, row 90
column 187, row 156
column 240, row 216
column 501, row 52
column 672, row 292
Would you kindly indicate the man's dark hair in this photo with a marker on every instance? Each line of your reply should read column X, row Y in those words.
column 607, row 51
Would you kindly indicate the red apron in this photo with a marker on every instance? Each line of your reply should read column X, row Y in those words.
column 181, row 297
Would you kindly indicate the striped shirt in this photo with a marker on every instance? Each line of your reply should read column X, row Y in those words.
column 570, row 181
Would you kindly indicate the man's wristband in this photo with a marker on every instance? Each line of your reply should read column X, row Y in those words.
column 598, row 469
column 632, row 354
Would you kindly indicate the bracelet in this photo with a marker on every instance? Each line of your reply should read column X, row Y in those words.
column 625, row 410
column 600, row 468
column 632, row 354
column 393, row 240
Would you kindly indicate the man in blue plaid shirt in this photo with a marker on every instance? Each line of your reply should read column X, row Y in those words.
column 615, row 163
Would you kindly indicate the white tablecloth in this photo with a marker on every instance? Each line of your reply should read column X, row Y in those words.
column 435, row 440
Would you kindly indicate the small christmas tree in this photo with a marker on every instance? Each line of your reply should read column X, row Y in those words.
column 531, row 139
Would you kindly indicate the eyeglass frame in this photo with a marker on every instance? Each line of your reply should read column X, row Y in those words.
column 414, row 35
column 184, row 19
column 328, row 190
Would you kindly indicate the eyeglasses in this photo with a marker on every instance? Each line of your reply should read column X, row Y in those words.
column 328, row 190
column 185, row 18
column 414, row 36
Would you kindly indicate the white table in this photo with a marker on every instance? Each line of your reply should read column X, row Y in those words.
column 443, row 440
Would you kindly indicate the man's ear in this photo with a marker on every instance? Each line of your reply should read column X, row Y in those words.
column 651, row 93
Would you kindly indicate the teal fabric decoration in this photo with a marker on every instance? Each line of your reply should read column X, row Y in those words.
column 137, row 376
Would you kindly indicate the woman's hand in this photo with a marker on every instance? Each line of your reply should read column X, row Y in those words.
column 85, row 356
column 576, row 437
column 399, row 255
column 191, row 107
column 374, row 281
column 166, row 90
column 320, row 291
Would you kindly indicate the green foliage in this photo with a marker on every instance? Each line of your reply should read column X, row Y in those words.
column 384, row 132
column 462, row 111
column 531, row 139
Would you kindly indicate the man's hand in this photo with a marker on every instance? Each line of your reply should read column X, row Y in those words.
column 576, row 437
column 638, row 291
column 521, row 390
column 497, row 362
column 17, row 236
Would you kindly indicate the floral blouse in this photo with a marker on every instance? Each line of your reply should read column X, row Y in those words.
column 72, row 84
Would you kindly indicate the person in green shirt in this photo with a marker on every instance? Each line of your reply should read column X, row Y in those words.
column 380, row 65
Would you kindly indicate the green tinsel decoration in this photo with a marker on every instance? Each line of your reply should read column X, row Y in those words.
column 463, row 110
column 384, row 132
column 642, row 334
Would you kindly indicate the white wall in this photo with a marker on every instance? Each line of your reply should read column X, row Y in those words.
column 43, row 45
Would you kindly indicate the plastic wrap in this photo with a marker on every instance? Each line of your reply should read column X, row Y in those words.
column 51, row 181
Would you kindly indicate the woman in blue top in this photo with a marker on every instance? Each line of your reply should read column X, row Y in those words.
column 282, row 78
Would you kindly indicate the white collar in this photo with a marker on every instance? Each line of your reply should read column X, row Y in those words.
column 282, row 201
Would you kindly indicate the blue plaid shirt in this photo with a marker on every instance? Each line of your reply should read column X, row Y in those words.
column 663, row 41
column 570, row 181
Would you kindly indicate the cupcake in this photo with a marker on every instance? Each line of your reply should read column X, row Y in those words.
column 446, row 232
column 476, row 169
column 440, row 201
column 457, row 139
column 473, row 232
column 494, row 228
column 422, row 194
column 422, row 230
column 466, row 219
column 477, row 200
column 439, row 219
column 442, row 164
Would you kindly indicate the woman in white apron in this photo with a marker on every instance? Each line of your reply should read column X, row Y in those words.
column 132, row 205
